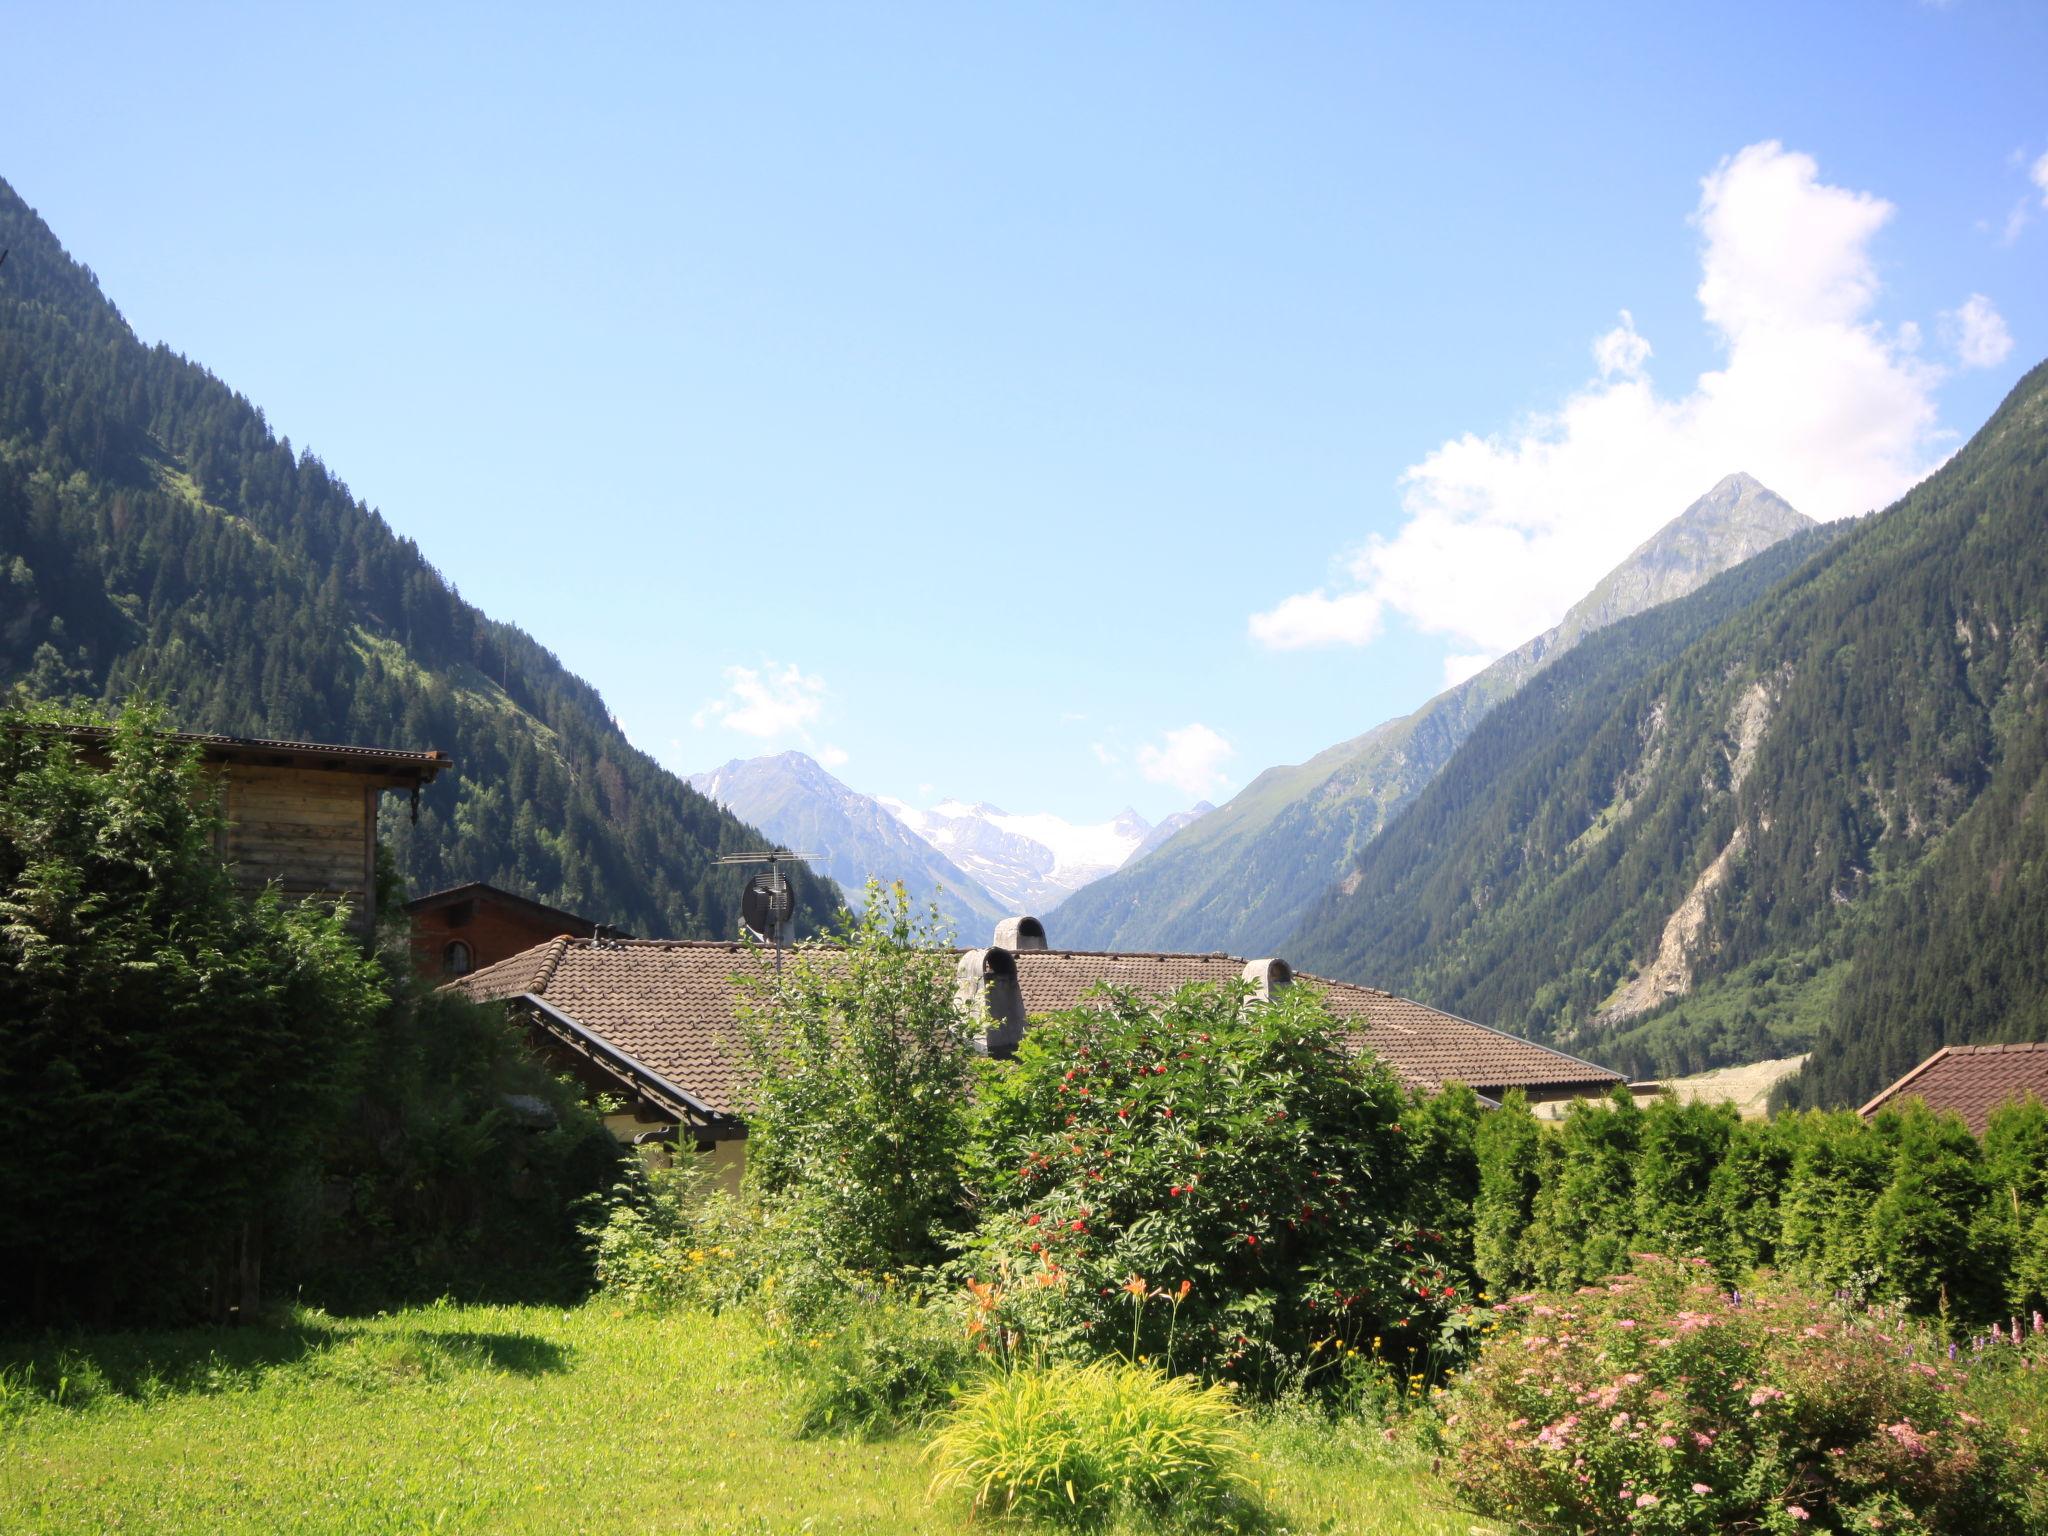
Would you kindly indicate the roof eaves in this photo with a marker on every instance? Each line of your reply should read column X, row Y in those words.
column 672, row 1097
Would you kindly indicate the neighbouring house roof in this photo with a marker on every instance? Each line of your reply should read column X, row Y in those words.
column 478, row 890
column 670, row 1007
column 398, row 766
column 1971, row 1080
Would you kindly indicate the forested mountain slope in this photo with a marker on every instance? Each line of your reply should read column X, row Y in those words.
column 1825, row 816
column 156, row 538
column 1243, row 878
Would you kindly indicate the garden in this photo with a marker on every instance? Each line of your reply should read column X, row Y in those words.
column 1180, row 1265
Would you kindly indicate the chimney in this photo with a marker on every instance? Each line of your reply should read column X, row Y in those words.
column 1020, row 933
column 1267, row 977
column 985, row 984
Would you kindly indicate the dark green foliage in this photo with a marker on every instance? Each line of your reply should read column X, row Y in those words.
column 1585, row 1210
column 1863, row 745
column 171, row 1053
column 1442, row 1132
column 459, row 1170
column 1510, row 1154
column 1906, row 1207
column 158, row 540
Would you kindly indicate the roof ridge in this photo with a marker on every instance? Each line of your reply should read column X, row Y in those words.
column 550, row 962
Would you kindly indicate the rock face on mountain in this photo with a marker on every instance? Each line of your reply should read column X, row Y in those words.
column 792, row 798
column 1823, row 819
column 1029, row 863
column 1242, row 878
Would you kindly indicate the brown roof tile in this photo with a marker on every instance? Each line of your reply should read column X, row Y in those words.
column 671, row 1005
column 1971, row 1080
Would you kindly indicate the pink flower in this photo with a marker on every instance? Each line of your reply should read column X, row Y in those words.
column 1626, row 1322
column 1910, row 1438
column 1764, row 1395
column 1668, row 1442
column 1646, row 1501
column 1796, row 1512
column 1701, row 1488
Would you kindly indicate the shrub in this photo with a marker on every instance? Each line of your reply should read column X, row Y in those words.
column 175, row 1053
column 1079, row 1443
column 862, row 1059
column 665, row 1238
column 1233, row 1163
column 886, row 1364
column 1659, row 1402
column 447, row 1191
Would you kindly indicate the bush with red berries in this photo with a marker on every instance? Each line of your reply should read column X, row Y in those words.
column 1213, row 1183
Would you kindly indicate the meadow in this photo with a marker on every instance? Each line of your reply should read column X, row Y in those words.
column 531, row 1419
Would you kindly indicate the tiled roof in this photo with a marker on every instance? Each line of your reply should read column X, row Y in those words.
column 1972, row 1080
column 1053, row 980
column 1426, row 1047
column 670, row 1005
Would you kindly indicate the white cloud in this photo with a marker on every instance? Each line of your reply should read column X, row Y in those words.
column 1315, row 618
column 833, row 757
column 1190, row 759
column 1977, row 332
column 765, row 701
column 1622, row 350
column 1104, row 754
column 1460, row 665
column 2040, row 175
column 1814, row 397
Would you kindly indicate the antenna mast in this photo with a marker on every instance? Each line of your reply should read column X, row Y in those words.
column 769, row 901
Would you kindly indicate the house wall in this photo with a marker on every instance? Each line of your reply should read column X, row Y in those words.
column 311, row 831
column 726, row 1161
column 493, row 932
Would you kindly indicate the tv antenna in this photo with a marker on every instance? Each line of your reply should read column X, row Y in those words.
column 769, row 901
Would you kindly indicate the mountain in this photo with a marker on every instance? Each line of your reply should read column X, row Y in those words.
column 158, row 540
column 1168, row 826
column 793, row 799
column 1243, row 878
column 1028, row 863
column 1823, row 820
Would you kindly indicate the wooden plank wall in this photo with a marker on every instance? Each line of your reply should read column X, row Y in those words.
column 313, row 832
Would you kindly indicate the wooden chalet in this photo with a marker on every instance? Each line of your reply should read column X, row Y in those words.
column 300, row 814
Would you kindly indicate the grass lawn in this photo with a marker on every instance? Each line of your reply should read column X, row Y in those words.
column 522, row 1419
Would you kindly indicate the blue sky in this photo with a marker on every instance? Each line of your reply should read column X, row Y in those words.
column 1060, row 406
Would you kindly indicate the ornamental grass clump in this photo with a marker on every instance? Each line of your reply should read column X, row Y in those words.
column 1077, row 1444
column 1660, row 1401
